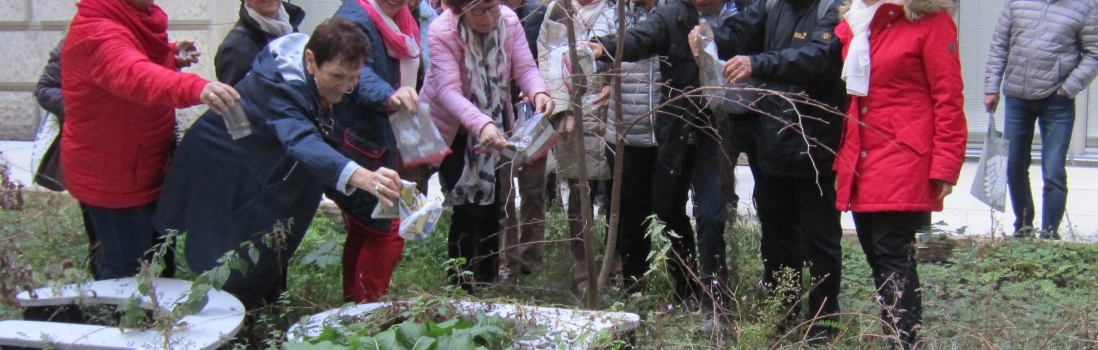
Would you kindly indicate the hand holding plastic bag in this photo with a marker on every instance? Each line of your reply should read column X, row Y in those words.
column 417, row 137
column 417, row 215
column 533, row 138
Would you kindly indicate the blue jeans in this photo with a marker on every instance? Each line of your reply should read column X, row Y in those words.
column 125, row 238
column 1055, row 115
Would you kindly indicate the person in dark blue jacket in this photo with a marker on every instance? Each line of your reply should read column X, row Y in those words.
column 222, row 193
column 388, row 83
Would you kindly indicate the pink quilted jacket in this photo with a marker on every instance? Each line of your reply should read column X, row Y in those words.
column 446, row 84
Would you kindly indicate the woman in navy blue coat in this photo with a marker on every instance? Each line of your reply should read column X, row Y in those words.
column 222, row 193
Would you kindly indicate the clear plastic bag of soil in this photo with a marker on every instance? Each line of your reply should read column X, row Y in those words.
column 417, row 137
column 709, row 66
column 533, row 138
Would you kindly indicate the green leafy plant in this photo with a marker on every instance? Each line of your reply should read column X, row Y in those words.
column 482, row 332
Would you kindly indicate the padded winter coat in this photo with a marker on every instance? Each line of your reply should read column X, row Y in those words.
column 1043, row 46
column 121, row 91
column 911, row 127
column 640, row 93
column 447, row 83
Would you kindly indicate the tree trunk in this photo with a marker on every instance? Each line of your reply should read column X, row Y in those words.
column 584, row 189
column 619, row 152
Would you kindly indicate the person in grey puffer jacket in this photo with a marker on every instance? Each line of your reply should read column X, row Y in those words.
column 1043, row 53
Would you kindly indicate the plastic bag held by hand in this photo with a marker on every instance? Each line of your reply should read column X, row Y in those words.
column 407, row 197
column 709, row 66
column 418, row 225
column 417, row 137
column 533, row 138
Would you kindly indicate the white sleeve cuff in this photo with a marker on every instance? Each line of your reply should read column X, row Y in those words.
column 343, row 184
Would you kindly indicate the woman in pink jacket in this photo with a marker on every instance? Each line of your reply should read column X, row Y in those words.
column 478, row 48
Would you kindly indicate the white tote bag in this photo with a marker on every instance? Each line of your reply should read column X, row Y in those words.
column 990, row 184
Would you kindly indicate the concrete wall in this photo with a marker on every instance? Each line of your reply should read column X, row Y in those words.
column 29, row 29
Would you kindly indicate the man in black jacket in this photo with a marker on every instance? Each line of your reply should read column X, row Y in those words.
column 259, row 24
column 688, row 150
column 790, row 47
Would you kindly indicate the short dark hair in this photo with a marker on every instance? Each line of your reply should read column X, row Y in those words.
column 339, row 39
column 458, row 6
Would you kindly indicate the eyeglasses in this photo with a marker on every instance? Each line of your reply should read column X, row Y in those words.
column 480, row 11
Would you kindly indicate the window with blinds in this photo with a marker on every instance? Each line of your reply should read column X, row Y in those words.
column 977, row 23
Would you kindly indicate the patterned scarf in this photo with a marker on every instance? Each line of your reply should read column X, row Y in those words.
column 486, row 63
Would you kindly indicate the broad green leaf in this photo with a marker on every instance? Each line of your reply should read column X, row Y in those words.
column 408, row 333
column 424, row 343
column 239, row 265
column 437, row 330
column 387, row 339
column 463, row 342
column 253, row 253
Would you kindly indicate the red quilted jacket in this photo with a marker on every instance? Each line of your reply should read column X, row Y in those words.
column 911, row 127
column 121, row 88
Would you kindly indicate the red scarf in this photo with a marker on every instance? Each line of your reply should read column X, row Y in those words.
column 394, row 42
column 150, row 26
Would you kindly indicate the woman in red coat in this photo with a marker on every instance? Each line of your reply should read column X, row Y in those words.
column 121, row 85
column 904, row 140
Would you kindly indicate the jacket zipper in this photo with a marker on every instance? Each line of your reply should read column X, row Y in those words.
column 1029, row 53
column 651, row 106
column 290, row 172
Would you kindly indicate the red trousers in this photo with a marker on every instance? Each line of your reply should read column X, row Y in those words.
column 369, row 258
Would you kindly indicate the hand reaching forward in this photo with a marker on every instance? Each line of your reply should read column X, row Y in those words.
column 384, row 183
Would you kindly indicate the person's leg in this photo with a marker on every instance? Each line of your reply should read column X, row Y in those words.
column 352, row 248
column 822, row 233
column 510, row 261
column 379, row 253
column 901, row 296
column 461, row 242
column 780, row 244
column 460, row 238
column 1056, row 121
column 531, row 247
column 485, row 262
column 1018, row 129
column 635, row 200
column 123, row 238
column 93, row 244
column 669, row 197
column 709, row 212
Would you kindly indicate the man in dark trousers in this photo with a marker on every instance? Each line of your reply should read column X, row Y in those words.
column 687, row 155
column 789, row 47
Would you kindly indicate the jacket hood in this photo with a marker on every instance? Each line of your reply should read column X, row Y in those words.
column 913, row 9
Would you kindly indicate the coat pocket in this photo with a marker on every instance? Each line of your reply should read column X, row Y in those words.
column 907, row 135
column 367, row 154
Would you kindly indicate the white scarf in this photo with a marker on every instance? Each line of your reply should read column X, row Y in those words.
column 274, row 27
column 409, row 67
column 857, row 66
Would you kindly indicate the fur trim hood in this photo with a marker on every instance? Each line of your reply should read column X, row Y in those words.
column 913, row 9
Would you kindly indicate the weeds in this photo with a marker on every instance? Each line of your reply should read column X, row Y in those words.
column 1009, row 294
